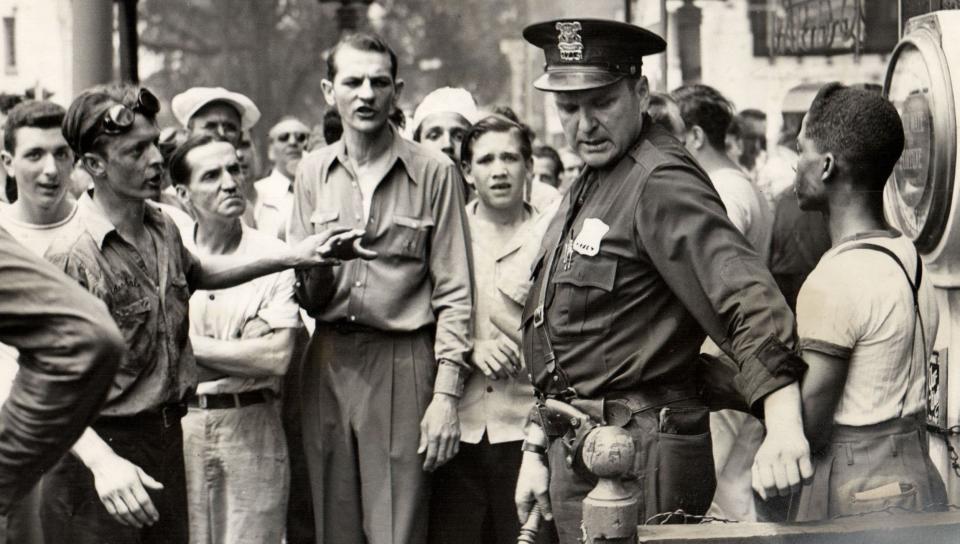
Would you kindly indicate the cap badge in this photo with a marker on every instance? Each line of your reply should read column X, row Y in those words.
column 570, row 43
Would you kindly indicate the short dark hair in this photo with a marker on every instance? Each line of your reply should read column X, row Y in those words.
column 660, row 112
column 861, row 128
column 547, row 152
column 178, row 166
column 361, row 41
column 753, row 114
column 705, row 107
column 332, row 126
column 495, row 123
column 83, row 115
column 31, row 113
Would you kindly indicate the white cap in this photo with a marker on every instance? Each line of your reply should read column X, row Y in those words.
column 446, row 99
column 187, row 103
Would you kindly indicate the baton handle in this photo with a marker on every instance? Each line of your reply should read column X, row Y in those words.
column 530, row 528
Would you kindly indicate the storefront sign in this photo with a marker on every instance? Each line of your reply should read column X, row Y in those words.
column 823, row 27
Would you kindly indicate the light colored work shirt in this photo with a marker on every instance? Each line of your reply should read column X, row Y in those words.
column 857, row 305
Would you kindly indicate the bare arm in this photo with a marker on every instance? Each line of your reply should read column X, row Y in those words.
column 222, row 271
column 821, row 389
column 261, row 357
column 121, row 485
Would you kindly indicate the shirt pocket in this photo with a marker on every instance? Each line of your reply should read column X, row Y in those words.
column 324, row 219
column 513, row 281
column 408, row 236
column 131, row 319
column 583, row 296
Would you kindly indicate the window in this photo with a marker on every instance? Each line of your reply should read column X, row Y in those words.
column 10, row 42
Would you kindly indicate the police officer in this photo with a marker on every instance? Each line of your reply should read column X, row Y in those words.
column 638, row 266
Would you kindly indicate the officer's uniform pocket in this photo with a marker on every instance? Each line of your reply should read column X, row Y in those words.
column 583, row 293
column 685, row 476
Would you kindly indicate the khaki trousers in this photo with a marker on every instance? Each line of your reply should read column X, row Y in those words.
column 364, row 394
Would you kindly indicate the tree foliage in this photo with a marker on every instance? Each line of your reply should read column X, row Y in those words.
column 273, row 50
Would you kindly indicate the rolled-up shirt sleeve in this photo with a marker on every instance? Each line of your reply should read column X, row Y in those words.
column 69, row 348
column 451, row 272
column 721, row 280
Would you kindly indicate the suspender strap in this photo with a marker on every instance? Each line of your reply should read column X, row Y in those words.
column 918, row 319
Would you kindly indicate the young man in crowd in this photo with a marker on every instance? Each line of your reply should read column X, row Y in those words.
column 472, row 495
column 866, row 318
column 443, row 118
column 385, row 368
column 572, row 166
column 547, row 166
column 39, row 161
column 706, row 116
column 125, row 476
column 243, row 340
column 288, row 142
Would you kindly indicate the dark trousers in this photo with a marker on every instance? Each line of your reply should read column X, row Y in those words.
column 472, row 498
column 364, row 394
column 72, row 511
column 671, row 471
column 300, row 504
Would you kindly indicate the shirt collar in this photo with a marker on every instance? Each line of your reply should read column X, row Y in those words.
column 399, row 148
column 95, row 221
column 518, row 238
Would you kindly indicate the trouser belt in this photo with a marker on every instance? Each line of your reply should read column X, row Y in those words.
column 230, row 400
column 165, row 416
column 616, row 409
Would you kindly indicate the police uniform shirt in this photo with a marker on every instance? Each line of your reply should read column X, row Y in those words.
column 649, row 263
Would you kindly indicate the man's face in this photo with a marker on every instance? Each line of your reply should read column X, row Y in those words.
column 217, row 119
column 809, row 183
column 444, row 131
column 498, row 170
column 131, row 166
column 288, row 140
column 363, row 90
column 214, row 186
column 41, row 165
column 543, row 171
column 572, row 165
column 601, row 124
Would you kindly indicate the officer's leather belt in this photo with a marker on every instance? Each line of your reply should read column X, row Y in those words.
column 619, row 407
column 230, row 400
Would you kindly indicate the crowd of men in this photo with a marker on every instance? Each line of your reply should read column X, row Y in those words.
column 368, row 343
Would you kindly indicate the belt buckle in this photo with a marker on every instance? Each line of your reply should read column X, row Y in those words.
column 538, row 316
column 202, row 401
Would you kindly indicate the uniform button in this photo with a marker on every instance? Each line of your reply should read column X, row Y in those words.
column 556, row 378
column 489, row 389
column 530, row 376
column 212, row 296
column 353, row 318
column 358, row 284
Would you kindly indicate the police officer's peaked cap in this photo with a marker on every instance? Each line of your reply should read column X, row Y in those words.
column 589, row 53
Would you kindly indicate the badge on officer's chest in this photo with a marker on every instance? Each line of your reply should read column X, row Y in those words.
column 591, row 234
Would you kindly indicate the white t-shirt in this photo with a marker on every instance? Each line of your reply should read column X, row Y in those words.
column 274, row 204
column 857, row 304
column 746, row 207
column 37, row 238
column 220, row 314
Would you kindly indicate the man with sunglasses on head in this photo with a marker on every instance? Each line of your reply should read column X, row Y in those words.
column 125, row 477
column 288, row 141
